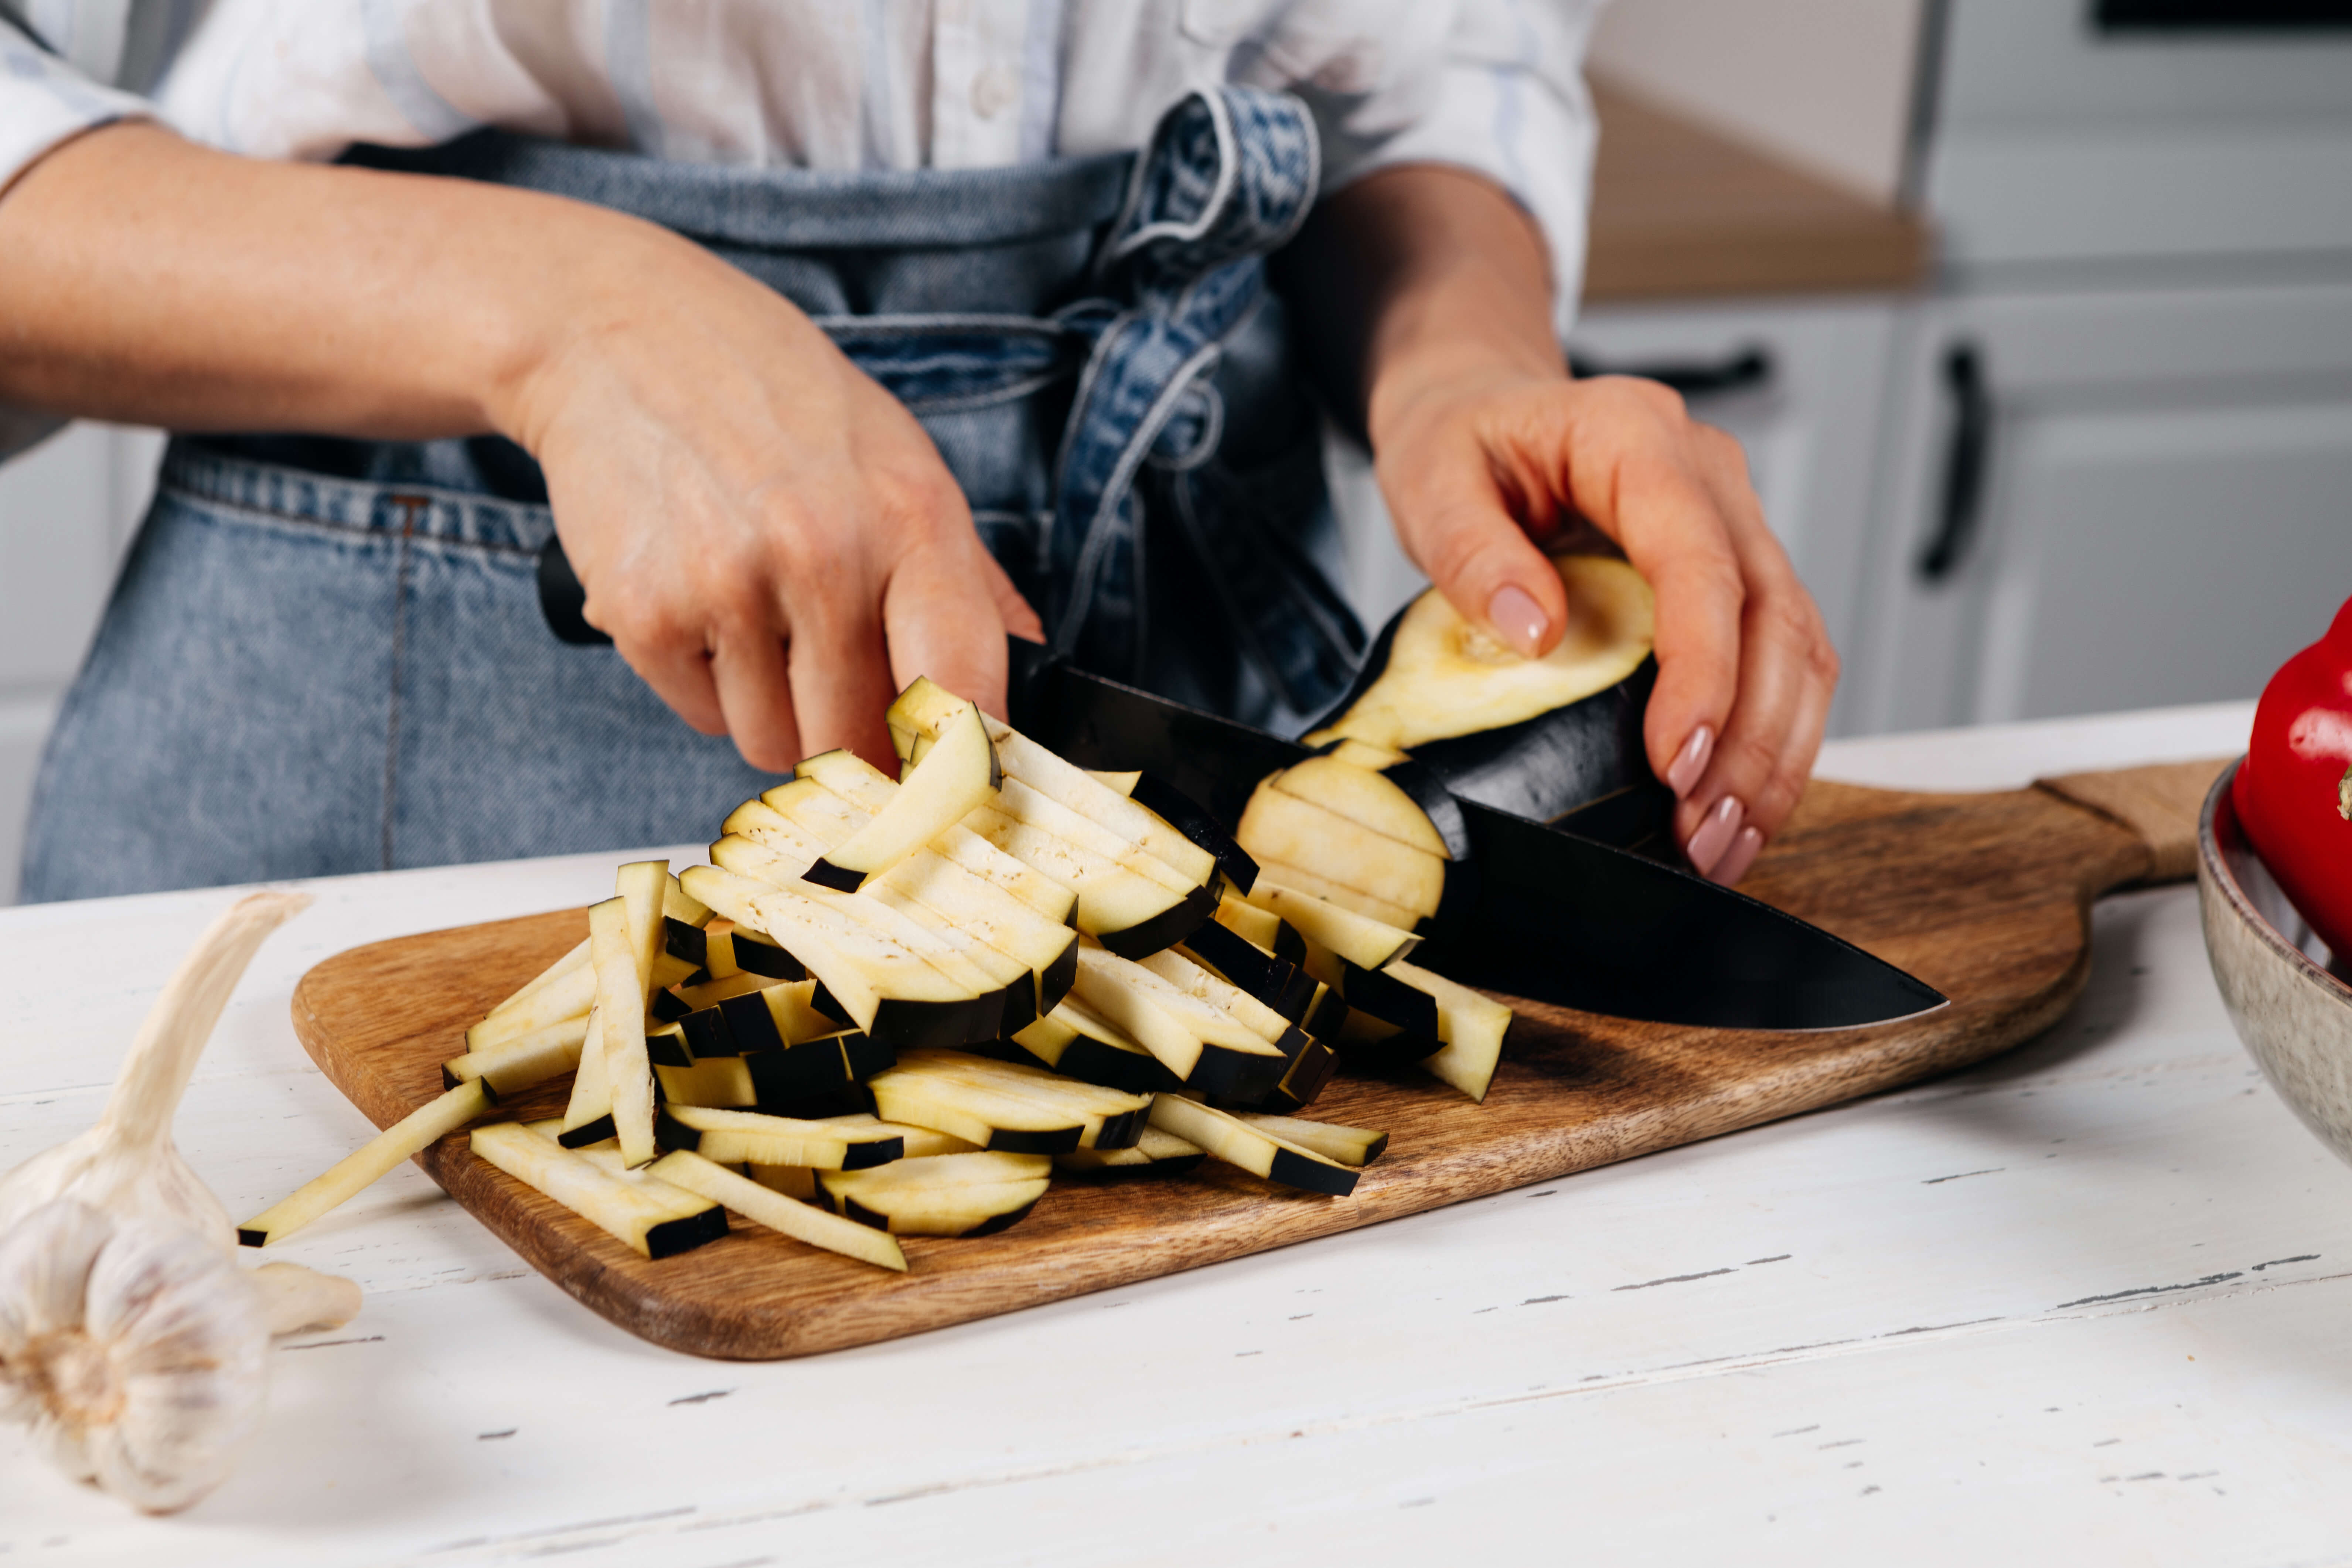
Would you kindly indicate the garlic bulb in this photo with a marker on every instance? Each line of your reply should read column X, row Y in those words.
column 137, row 1350
column 128, row 1164
column 130, row 1338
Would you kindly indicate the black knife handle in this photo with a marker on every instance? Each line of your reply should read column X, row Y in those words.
column 563, row 600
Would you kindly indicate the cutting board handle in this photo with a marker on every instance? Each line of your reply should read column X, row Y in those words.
column 2159, row 802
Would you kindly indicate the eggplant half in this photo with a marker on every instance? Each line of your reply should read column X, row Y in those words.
column 1541, row 738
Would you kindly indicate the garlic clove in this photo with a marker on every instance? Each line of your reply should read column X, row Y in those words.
column 295, row 1300
column 148, row 1374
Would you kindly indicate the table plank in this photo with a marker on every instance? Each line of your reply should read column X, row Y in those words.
column 1409, row 1353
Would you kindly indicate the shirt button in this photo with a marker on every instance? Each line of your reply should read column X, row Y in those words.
column 993, row 90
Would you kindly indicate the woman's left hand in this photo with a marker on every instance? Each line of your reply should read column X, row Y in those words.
column 1424, row 292
column 1481, row 471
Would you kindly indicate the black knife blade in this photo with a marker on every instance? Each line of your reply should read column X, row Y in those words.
column 1558, row 916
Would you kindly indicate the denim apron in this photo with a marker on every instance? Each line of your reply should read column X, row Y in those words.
column 327, row 655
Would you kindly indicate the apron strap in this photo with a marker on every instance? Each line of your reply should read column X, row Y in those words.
column 1229, row 176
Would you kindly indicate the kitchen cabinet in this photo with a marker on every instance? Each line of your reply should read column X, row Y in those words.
column 67, row 510
column 2157, row 509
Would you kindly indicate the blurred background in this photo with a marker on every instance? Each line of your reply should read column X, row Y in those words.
column 2034, row 317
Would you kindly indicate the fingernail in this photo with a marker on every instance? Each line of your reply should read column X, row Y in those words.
column 1738, row 857
column 1713, row 835
column 1682, row 777
column 1518, row 619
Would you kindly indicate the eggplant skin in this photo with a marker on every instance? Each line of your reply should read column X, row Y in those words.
column 1548, row 766
column 1543, row 768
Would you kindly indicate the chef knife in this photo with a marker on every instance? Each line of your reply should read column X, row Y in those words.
column 1561, row 913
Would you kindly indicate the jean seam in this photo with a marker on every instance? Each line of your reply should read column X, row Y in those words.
column 191, row 497
column 409, row 506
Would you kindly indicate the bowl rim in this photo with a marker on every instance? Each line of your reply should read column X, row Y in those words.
column 2218, row 822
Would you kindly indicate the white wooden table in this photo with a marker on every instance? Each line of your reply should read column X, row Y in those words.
column 2089, row 1303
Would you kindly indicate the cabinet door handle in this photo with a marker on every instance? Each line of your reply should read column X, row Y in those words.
column 1964, row 463
column 1742, row 370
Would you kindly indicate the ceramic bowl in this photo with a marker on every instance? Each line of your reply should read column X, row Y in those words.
column 2285, row 992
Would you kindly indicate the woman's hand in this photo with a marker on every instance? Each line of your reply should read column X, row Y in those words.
column 1487, row 451
column 770, row 539
column 1479, row 476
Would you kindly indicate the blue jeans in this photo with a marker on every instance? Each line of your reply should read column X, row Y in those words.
column 327, row 655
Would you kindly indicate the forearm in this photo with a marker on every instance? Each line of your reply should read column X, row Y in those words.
column 1416, row 278
column 145, row 279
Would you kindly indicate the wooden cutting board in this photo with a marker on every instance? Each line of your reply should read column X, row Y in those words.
column 1986, row 897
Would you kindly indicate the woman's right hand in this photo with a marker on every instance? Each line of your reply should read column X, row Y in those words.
column 770, row 538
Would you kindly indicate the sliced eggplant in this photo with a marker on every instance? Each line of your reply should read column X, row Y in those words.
column 924, row 707
column 1364, row 942
column 730, row 951
column 566, row 996
column 1262, row 1154
column 1265, row 930
column 1003, row 983
column 1156, row 1154
column 1206, row 1048
column 1077, row 1042
column 577, row 958
column 1004, row 1106
column 665, row 1043
column 959, row 774
column 410, row 1136
column 679, row 905
column 1365, row 1041
column 1127, row 910
column 991, row 905
column 794, row 1080
column 1189, row 818
column 1122, row 781
column 1433, row 675
column 521, row 1063
column 1222, row 994
column 891, row 994
column 1473, row 1027
column 944, row 1195
column 1367, row 799
column 652, row 1217
column 1537, row 738
column 1356, row 901
column 1304, row 1081
column 1284, row 987
column 1358, row 1146
column 710, row 992
column 1379, row 993
column 751, row 1136
column 793, row 1180
column 621, row 965
column 687, row 943
column 802, row 1221
column 721, row 1081
column 920, row 1142
column 862, row 788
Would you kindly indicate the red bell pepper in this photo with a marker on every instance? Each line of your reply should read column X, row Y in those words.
column 2294, row 791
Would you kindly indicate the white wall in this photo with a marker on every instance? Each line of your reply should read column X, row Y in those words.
column 67, row 510
column 1826, row 84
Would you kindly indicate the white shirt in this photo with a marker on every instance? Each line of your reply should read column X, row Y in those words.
column 1490, row 85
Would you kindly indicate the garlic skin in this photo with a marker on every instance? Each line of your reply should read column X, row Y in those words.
column 136, row 1350
column 127, row 1164
column 131, row 1339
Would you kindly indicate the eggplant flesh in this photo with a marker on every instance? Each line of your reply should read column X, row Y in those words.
column 1537, row 738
